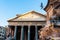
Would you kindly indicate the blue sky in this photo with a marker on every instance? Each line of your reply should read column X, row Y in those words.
column 9, row 8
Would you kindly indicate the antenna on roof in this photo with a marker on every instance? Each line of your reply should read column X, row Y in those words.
column 41, row 5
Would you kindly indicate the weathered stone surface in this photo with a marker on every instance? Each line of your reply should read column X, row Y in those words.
column 50, row 31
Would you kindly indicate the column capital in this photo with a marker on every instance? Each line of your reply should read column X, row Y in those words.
column 35, row 26
column 22, row 25
column 15, row 25
column 29, row 25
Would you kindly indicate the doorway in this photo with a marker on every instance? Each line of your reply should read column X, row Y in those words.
column 25, row 32
column 18, row 36
column 32, row 32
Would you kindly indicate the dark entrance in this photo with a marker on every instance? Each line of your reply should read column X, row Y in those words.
column 25, row 32
column 18, row 36
column 32, row 32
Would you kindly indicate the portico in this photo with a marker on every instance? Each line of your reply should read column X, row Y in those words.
column 26, row 27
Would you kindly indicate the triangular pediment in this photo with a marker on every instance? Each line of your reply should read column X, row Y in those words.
column 30, row 16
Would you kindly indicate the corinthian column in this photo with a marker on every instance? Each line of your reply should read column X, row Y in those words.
column 15, row 32
column 36, row 33
column 28, row 32
column 22, row 33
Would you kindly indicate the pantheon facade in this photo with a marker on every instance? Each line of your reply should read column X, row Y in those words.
column 26, row 26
